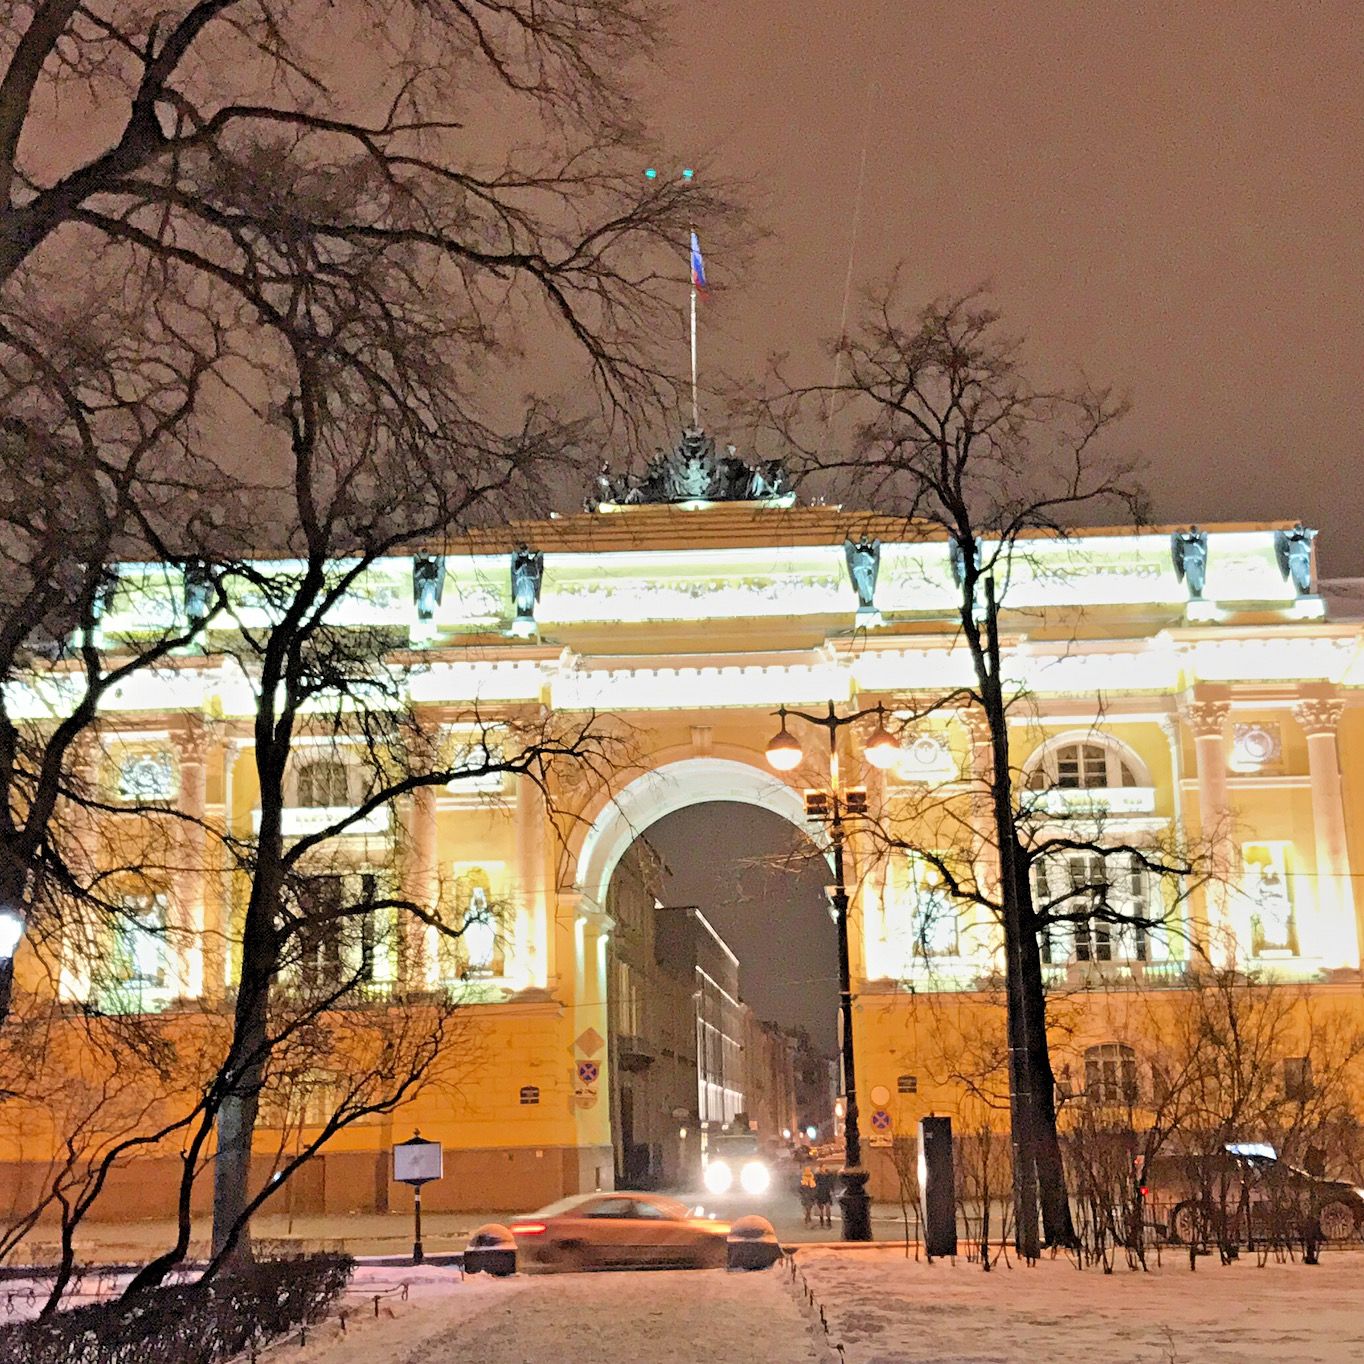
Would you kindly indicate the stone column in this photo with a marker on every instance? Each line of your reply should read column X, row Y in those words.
column 1216, row 934
column 218, row 935
column 528, row 951
column 1334, row 935
column 185, row 940
column 80, row 847
column 977, row 937
column 420, row 885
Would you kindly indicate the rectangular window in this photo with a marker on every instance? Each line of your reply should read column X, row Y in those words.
column 1101, row 907
column 1111, row 1074
column 323, row 783
column 933, row 916
column 339, row 937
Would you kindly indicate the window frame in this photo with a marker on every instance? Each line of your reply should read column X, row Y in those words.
column 336, row 764
column 1111, row 1075
column 1098, row 941
column 1123, row 769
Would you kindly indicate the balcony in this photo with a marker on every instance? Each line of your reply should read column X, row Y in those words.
column 301, row 821
column 633, row 1053
column 1081, row 802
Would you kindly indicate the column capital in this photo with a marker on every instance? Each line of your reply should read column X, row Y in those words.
column 1319, row 715
column 974, row 722
column 1207, row 719
column 191, row 740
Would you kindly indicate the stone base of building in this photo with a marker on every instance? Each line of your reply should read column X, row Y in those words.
column 344, row 1182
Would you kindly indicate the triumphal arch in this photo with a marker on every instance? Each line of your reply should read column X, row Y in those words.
column 1186, row 681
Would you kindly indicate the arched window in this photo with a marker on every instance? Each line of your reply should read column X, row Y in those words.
column 1111, row 1074
column 323, row 783
column 1084, row 763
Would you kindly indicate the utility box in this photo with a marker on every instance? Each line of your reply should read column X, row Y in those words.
column 938, row 1186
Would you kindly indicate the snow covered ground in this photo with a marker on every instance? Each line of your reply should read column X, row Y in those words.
column 880, row 1308
column 665, row 1317
column 884, row 1309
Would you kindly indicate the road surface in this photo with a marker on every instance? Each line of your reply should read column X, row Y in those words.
column 664, row 1317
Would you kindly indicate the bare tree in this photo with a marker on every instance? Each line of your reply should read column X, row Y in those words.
column 945, row 429
column 196, row 199
column 347, row 281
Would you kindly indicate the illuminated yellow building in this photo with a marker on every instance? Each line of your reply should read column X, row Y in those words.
column 1236, row 712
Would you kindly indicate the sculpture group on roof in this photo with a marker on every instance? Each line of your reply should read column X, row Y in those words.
column 694, row 471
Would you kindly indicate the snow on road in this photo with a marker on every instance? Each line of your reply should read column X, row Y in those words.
column 663, row 1317
column 885, row 1309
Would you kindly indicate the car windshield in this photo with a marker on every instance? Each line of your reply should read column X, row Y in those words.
column 735, row 1144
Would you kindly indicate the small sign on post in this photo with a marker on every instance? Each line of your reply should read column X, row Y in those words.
column 417, row 1162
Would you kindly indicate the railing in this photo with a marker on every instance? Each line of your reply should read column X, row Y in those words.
column 300, row 821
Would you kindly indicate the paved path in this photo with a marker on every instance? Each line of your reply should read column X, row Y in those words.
column 667, row 1317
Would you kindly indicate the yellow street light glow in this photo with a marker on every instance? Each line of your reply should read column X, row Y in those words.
column 784, row 752
column 882, row 750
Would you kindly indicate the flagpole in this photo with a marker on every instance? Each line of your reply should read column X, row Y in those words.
column 691, row 274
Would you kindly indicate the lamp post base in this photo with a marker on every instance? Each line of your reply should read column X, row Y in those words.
column 856, row 1206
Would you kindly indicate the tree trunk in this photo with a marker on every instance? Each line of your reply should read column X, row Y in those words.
column 1058, row 1229
column 1022, row 1110
column 237, row 1127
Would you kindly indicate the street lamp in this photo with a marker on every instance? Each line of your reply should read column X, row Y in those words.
column 784, row 753
column 11, row 931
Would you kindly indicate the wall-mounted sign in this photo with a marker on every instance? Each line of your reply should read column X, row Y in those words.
column 907, row 1084
column 530, row 1094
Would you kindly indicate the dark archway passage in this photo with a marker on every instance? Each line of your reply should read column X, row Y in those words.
column 762, row 885
column 722, row 990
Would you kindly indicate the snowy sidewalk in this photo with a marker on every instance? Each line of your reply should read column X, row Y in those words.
column 663, row 1317
column 885, row 1309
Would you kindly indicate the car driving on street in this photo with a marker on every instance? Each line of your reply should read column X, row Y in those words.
column 618, row 1231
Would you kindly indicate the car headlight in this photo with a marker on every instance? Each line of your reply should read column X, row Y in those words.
column 755, row 1178
column 719, row 1177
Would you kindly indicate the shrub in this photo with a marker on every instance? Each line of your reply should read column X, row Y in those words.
column 189, row 1324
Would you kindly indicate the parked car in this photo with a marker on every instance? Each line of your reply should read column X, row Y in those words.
column 1248, row 1190
column 618, row 1231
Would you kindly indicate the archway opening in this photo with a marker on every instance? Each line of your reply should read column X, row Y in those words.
column 722, row 991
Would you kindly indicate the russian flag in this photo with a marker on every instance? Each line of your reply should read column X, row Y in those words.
column 698, row 266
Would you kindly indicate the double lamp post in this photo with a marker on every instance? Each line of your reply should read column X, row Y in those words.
column 834, row 807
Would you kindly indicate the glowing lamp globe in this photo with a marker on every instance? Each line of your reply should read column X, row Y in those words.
column 11, row 930
column 784, row 752
column 882, row 750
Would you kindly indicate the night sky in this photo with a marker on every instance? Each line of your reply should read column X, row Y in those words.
column 761, row 885
column 1166, row 195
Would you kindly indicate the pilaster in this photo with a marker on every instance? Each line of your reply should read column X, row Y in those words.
column 1334, row 936
column 1207, row 721
column 185, row 939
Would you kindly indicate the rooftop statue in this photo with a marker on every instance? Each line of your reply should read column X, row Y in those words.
column 694, row 471
column 1293, row 550
column 428, row 584
column 527, row 574
column 864, row 565
column 1189, row 552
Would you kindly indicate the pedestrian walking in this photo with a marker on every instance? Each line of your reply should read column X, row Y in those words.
column 809, row 1188
column 824, row 1196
